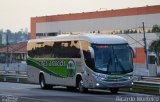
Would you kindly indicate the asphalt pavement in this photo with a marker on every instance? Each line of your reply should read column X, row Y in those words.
column 17, row 92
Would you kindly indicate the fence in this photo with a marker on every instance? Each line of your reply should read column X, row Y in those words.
column 15, row 71
column 21, row 68
column 149, row 82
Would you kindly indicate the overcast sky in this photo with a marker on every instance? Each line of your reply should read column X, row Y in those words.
column 16, row 14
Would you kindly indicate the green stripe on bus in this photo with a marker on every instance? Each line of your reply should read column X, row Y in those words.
column 56, row 67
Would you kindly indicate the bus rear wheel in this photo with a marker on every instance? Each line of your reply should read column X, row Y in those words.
column 114, row 90
column 43, row 84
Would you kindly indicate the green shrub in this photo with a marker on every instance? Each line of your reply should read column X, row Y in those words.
column 158, row 74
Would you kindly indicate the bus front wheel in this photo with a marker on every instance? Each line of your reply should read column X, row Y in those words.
column 114, row 90
column 81, row 87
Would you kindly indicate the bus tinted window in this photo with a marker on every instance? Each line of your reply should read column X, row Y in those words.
column 87, row 55
column 40, row 49
column 65, row 49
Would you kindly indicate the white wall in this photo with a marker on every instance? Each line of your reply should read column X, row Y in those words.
column 111, row 23
column 141, row 70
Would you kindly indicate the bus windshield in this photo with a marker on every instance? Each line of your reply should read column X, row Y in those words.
column 112, row 58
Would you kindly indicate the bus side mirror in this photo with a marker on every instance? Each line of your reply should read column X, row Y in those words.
column 133, row 51
column 92, row 52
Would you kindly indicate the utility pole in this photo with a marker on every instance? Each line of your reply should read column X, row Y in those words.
column 145, row 46
column 7, row 58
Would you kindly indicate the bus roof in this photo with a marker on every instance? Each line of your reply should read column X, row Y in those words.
column 92, row 38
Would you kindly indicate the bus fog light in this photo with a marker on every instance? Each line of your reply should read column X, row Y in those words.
column 97, row 84
column 132, row 83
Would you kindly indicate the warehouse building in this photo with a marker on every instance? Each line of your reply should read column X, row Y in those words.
column 120, row 21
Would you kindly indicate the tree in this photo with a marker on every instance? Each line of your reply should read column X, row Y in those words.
column 149, row 31
column 1, row 31
column 155, row 47
column 120, row 31
column 135, row 31
column 126, row 31
column 131, row 31
column 156, row 28
column 8, row 31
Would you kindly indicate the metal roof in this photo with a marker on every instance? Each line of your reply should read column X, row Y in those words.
column 15, row 48
column 92, row 38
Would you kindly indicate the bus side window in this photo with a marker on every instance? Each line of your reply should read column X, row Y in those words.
column 40, row 49
column 75, row 49
column 55, row 49
column 66, row 49
column 31, row 50
column 87, row 55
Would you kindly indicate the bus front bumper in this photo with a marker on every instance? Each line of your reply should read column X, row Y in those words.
column 100, row 84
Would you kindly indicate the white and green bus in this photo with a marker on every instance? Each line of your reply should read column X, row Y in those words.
column 86, row 61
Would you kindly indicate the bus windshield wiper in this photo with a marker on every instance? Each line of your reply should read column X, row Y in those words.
column 120, row 64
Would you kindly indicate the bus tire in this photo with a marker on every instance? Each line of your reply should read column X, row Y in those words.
column 81, row 88
column 70, row 88
column 114, row 90
column 42, row 83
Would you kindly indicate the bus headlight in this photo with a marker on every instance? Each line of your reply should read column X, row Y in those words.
column 132, row 83
column 97, row 84
column 101, row 76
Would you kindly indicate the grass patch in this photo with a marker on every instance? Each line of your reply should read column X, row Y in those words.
column 142, row 89
column 158, row 74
